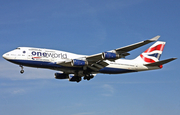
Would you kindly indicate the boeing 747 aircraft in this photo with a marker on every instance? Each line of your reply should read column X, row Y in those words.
column 73, row 66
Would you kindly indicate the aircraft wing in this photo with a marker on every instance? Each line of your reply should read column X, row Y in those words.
column 122, row 52
column 98, row 61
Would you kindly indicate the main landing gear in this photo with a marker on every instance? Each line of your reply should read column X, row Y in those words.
column 88, row 77
column 78, row 79
column 22, row 71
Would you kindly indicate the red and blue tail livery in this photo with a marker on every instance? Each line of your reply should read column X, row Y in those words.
column 153, row 53
column 74, row 67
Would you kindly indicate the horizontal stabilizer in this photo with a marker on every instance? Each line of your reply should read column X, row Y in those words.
column 160, row 62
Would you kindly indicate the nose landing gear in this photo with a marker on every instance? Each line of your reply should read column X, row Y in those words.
column 22, row 71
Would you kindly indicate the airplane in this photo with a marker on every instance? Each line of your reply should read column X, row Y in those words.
column 73, row 66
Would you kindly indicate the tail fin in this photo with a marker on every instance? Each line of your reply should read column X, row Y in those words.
column 152, row 54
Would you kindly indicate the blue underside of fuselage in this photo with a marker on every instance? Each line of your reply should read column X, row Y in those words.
column 54, row 66
column 115, row 70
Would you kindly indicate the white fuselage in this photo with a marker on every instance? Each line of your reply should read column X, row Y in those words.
column 47, row 58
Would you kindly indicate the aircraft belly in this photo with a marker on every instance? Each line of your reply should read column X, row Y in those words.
column 42, row 64
column 115, row 70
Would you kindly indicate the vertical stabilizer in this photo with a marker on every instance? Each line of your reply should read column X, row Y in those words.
column 152, row 54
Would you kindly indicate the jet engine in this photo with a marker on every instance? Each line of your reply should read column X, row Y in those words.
column 61, row 76
column 109, row 55
column 76, row 62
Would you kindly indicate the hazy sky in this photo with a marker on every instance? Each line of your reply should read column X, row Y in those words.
column 89, row 27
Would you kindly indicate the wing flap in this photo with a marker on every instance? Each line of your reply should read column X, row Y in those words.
column 98, row 65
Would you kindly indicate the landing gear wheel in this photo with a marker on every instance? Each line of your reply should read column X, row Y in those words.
column 22, row 71
column 78, row 79
column 88, row 77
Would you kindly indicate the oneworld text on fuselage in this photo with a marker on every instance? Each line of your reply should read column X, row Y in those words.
column 52, row 55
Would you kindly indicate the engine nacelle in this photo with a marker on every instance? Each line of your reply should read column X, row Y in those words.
column 109, row 55
column 76, row 62
column 61, row 76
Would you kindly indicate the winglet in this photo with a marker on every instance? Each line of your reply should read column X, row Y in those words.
column 155, row 38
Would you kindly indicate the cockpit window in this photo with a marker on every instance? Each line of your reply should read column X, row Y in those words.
column 18, row 48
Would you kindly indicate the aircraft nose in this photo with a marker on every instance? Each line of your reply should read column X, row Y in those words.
column 5, row 56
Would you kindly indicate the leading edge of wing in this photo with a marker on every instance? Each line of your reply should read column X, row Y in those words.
column 123, row 50
column 136, row 45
